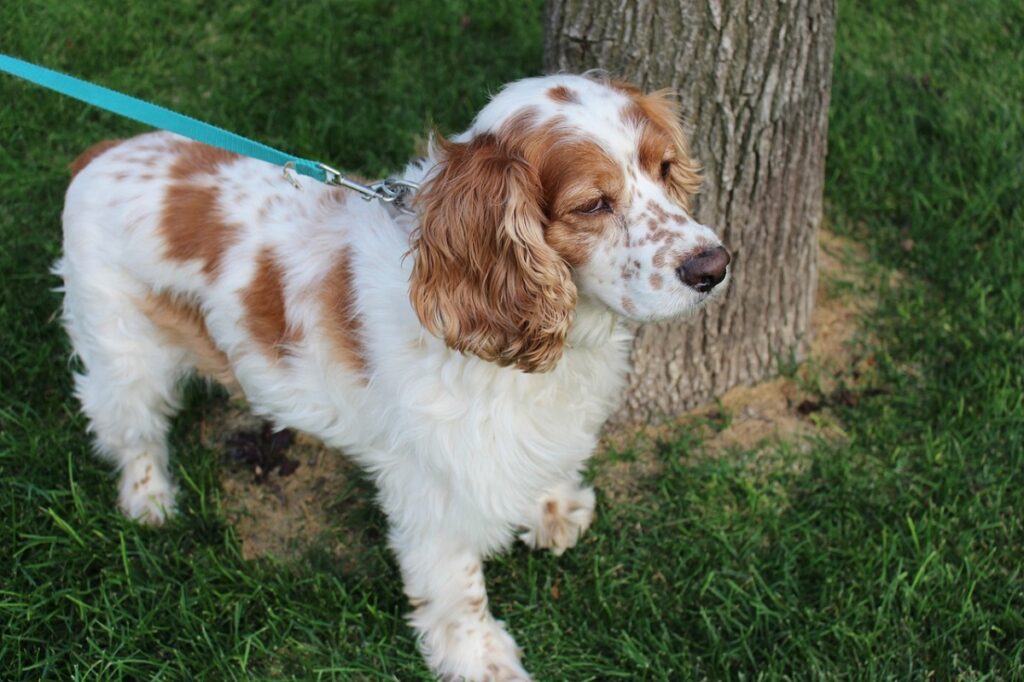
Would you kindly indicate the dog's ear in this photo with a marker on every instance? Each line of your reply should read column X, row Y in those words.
column 660, row 111
column 684, row 176
column 484, row 279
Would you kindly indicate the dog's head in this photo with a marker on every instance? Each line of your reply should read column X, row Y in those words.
column 563, row 186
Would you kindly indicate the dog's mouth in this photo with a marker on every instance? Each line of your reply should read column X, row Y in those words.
column 687, row 303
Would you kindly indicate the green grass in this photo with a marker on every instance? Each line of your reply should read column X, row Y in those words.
column 896, row 555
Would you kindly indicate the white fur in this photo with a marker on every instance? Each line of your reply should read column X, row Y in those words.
column 465, row 453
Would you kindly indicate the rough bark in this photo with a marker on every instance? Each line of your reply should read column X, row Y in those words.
column 753, row 78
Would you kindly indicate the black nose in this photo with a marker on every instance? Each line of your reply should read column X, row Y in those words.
column 705, row 270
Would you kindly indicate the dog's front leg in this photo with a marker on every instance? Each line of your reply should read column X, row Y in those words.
column 444, row 580
column 560, row 517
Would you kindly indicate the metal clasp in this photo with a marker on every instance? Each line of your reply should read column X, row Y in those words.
column 289, row 175
column 394, row 191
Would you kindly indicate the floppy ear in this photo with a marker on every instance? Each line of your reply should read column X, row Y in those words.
column 659, row 109
column 484, row 279
column 662, row 111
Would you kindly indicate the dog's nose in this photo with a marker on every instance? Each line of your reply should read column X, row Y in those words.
column 705, row 270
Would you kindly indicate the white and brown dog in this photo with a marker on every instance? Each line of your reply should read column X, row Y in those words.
column 465, row 357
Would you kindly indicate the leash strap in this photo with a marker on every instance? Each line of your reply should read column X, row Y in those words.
column 389, row 190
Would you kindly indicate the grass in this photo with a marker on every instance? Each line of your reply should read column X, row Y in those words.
column 896, row 554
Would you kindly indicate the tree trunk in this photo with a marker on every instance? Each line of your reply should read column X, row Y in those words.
column 754, row 78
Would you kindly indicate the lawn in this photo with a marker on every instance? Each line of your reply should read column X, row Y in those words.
column 896, row 552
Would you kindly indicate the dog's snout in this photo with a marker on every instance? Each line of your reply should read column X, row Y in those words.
column 705, row 270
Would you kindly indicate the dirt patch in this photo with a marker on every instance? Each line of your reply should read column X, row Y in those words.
column 782, row 409
column 313, row 505
column 285, row 514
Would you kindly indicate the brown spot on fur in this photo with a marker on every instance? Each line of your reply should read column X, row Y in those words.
column 625, row 88
column 192, row 221
column 181, row 323
column 660, row 213
column 628, row 306
column 193, row 226
column 338, row 195
column 660, row 236
column 144, row 160
column 630, row 270
column 656, row 281
column 87, row 157
column 550, row 506
column 564, row 95
column 197, row 159
column 477, row 603
column 267, row 205
column 656, row 116
column 572, row 172
column 660, row 255
column 265, row 308
column 678, row 218
column 344, row 325
column 578, row 173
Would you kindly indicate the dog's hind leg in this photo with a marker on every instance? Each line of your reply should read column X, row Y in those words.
column 129, row 385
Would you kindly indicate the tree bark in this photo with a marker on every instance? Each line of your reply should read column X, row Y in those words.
column 754, row 78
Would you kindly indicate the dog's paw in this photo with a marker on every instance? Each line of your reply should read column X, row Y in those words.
column 479, row 652
column 146, row 493
column 564, row 513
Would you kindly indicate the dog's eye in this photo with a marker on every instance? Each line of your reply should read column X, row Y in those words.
column 666, row 168
column 597, row 206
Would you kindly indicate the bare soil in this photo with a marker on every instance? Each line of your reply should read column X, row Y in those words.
column 284, row 515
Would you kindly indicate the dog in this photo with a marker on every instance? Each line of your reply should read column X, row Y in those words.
column 465, row 356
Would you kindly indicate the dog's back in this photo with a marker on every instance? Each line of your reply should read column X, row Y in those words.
column 179, row 257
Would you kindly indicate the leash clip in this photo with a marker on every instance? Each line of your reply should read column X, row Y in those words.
column 394, row 191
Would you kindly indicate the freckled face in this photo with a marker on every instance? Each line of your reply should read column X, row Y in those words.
column 615, row 184
column 620, row 220
column 635, row 270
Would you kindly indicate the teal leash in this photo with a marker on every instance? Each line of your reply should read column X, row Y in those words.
column 391, row 190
